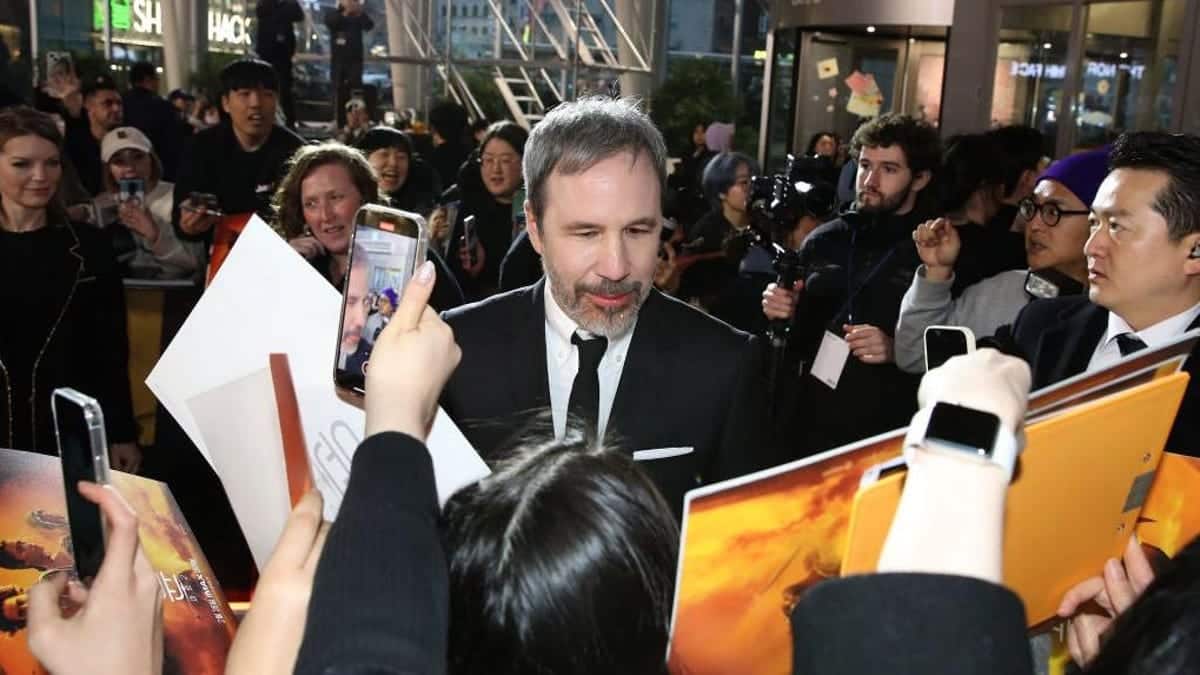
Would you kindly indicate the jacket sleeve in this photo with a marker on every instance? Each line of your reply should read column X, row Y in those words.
column 745, row 445
column 380, row 599
column 910, row 623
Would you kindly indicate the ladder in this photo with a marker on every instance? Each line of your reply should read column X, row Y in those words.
column 593, row 48
column 520, row 95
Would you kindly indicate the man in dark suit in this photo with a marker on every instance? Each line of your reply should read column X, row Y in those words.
column 1143, row 272
column 593, row 340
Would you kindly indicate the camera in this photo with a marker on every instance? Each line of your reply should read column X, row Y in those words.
column 778, row 200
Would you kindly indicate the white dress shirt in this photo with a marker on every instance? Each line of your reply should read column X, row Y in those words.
column 1107, row 352
column 562, row 364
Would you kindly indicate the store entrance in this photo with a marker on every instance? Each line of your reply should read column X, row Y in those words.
column 847, row 76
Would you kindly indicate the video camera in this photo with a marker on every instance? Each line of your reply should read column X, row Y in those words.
column 778, row 201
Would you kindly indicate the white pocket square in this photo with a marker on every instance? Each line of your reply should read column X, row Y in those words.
column 661, row 453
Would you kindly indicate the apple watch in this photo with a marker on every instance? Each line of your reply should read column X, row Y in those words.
column 947, row 428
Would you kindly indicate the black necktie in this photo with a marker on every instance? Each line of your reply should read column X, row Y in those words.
column 585, row 392
column 1129, row 343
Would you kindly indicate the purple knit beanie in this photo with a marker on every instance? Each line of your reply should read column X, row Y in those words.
column 1082, row 173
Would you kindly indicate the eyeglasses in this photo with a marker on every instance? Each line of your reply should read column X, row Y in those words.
column 1049, row 213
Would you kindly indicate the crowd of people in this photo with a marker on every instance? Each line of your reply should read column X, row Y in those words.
column 604, row 364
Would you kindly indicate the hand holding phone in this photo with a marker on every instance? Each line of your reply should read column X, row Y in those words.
column 83, row 451
column 386, row 248
column 945, row 342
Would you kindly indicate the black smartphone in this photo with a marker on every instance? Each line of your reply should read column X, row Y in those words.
column 386, row 248
column 83, row 450
column 212, row 206
column 945, row 342
column 470, row 237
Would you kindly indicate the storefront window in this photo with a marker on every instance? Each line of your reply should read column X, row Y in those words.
column 782, row 77
column 1129, row 68
column 1031, row 69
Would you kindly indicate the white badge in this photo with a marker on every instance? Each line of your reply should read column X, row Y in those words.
column 831, row 360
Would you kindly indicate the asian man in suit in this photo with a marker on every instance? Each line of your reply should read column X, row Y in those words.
column 679, row 390
column 1143, row 261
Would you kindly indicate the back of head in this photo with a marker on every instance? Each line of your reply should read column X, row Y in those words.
column 1019, row 149
column 1160, row 633
column 1177, row 156
column 562, row 561
column 917, row 139
column 968, row 164
column 449, row 120
column 576, row 136
column 248, row 73
column 142, row 71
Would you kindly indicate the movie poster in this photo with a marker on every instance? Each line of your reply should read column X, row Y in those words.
column 198, row 625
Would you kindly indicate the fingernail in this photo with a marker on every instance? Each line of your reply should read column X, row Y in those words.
column 425, row 273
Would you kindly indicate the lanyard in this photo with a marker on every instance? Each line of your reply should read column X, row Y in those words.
column 848, row 307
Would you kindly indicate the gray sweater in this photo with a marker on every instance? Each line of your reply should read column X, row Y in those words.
column 983, row 307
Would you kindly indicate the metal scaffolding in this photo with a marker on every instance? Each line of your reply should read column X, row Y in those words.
column 543, row 51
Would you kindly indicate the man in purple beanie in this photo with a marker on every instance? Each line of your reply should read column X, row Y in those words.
column 1056, row 216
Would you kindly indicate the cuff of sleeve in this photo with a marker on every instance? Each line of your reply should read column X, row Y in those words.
column 931, row 292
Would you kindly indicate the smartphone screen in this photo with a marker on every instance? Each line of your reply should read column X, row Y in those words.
column 941, row 344
column 132, row 190
column 84, row 456
column 469, row 237
column 386, row 248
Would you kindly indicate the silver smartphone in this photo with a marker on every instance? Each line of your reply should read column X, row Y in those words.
column 83, row 451
column 385, row 249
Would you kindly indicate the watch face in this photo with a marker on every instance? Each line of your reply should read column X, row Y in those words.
column 972, row 428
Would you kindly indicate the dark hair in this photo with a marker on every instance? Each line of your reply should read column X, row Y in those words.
column 509, row 132
column 918, row 140
column 385, row 137
column 721, row 173
column 1018, row 149
column 248, row 73
column 140, row 71
column 812, row 141
column 99, row 83
column 288, row 204
column 1178, row 156
column 21, row 120
column 968, row 164
column 449, row 120
column 1160, row 633
column 480, row 124
column 562, row 561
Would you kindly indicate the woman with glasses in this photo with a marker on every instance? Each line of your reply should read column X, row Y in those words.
column 475, row 256
column 1056, row 230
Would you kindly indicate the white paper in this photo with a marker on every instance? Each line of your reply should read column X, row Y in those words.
column 268, row 299
column 250, row 461
column 831, row 360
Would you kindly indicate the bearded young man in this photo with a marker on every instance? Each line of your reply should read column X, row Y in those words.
column 593, row 341
column 859, row 267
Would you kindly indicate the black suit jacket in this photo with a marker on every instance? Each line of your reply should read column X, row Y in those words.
column 1058, row 336
column 689, row 381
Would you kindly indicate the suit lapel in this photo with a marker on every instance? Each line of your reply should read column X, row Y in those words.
column 1076, row 337
column 642, row 377
column 527, row 379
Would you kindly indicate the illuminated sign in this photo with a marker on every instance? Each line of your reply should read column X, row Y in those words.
column 1058, row 71
column 142, row 20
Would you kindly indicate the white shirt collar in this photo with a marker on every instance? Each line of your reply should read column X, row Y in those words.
column 1154, row 336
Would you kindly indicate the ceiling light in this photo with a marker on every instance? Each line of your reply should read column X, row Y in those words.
column 1124, row 55
column 870, row 29
column 1047, row 46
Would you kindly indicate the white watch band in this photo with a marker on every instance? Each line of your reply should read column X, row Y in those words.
column 1003, row 452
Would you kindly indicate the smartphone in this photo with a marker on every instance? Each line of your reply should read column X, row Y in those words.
column 386, row 247
column 944, row 342
column 518, row 211
column 83, row 450
column 131, row 190
column 451, row 208
column 1050, row 283
column 212, row 206
column 470, row 238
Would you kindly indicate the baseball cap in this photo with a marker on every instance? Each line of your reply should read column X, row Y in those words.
column 123, row 138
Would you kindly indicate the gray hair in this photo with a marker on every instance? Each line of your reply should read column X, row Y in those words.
column 575, row 136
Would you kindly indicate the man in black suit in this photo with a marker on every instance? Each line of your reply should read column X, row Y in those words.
column 674, row 387
column 1143, row 272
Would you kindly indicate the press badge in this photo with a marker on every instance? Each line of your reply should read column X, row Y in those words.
column 831, row 360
